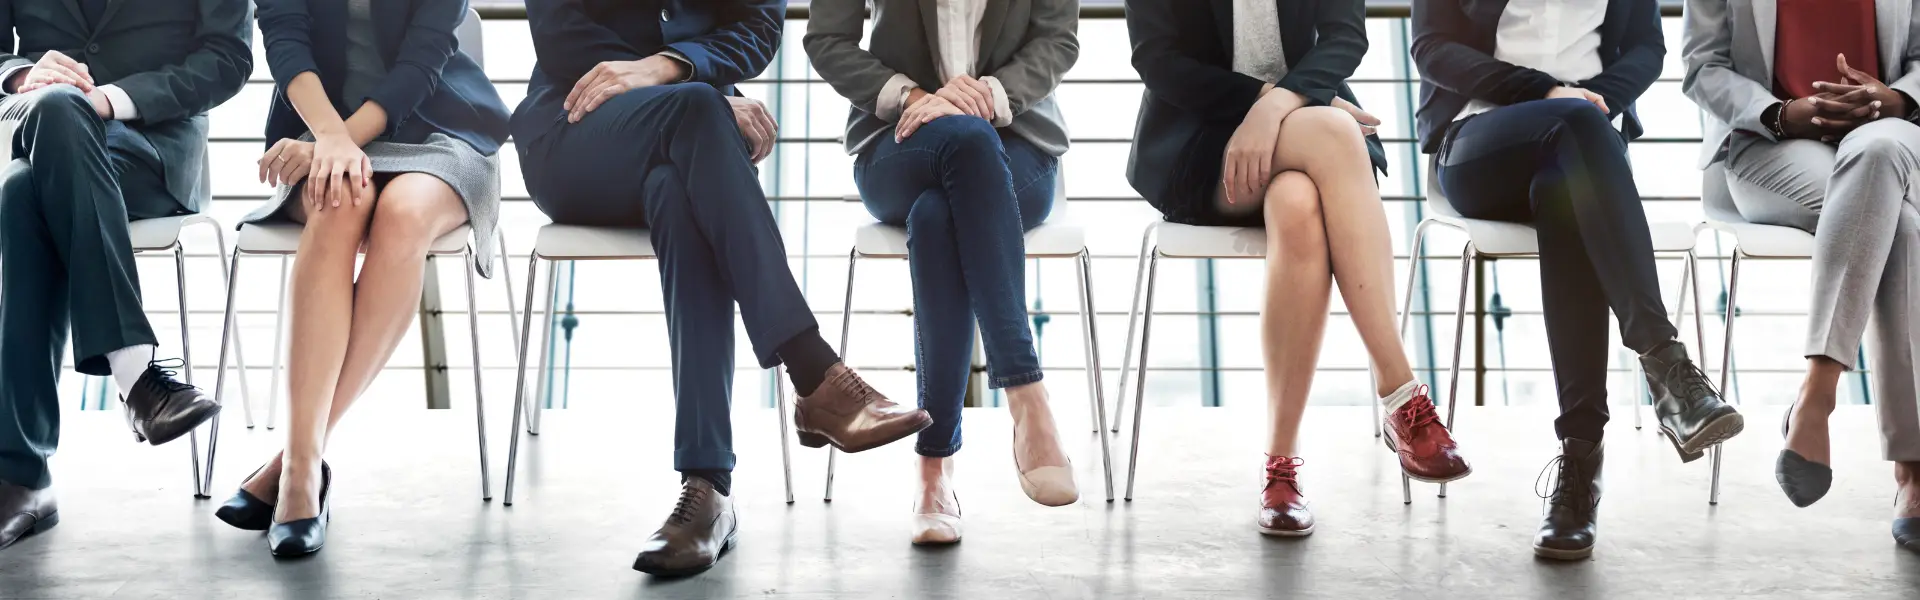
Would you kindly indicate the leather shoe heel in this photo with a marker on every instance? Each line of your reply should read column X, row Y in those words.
column 813, row 440
column 304, row 536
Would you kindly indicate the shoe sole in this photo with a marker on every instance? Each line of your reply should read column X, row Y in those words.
column 1388, row 440
column 1558, row 554
column 1290, row 533
column 725, row 547
column 1716, row 432
column 278, row 554
column 200, row 418
column 815, row 440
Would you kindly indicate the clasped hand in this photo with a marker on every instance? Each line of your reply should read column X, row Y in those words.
column 1840, row 107
column 337, row 171
column 55, row 68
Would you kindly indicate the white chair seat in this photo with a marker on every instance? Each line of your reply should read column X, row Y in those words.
column 880, row 240
column 1195, row 241
column 284, row 238
column 154, row 235
column 1767, row 241
column 1499, row 238
column 575, row 242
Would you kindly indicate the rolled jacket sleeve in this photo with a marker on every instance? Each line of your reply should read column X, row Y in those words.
column 892, row 99
column 1002, row 108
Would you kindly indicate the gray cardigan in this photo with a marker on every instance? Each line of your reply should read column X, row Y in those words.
column 1729, row 57
column 1027, row 44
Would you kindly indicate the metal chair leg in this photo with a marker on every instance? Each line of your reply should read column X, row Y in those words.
column 543, row 378
column 1467, row 258
column 1713, row 494
column 1133, row 316
column 279, row 345
column 846, row 327
column 506, row 279
column 1140, row 386
column 220, row 376
column 479, row 386
column 186, row 357
column 786, row 442
column 1406, row 304
column 1096, row 392
column 1726, row 346
column 520, row 380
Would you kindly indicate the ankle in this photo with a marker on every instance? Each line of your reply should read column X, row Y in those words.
column 1907, row 473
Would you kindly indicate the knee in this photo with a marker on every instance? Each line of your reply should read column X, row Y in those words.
column 697, row 102
column 339, row 228
column 1880, row 142
column 930, row 212
column 1580, row 119
column 1295, row 226
column 1326, row 123
column 17, row 197
column 60, row 103
column 407, row 222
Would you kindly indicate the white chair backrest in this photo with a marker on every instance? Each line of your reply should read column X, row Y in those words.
column 470, row 41
column 1437, row 201
column 1715, row 198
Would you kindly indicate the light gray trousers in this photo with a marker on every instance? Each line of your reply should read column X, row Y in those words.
column 1861, row 202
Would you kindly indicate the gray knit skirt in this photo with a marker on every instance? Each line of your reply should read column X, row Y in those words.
column 476, row 178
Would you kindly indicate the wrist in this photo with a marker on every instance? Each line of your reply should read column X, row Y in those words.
column 663, row 69
column 1900, row 106
column 915, row 95
column 14, row 80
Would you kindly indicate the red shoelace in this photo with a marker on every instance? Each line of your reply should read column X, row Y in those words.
column 1282, row 469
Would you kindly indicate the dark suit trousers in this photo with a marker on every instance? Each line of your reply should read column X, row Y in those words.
column 65, row 200
column 672, row 159
column 1560, row 166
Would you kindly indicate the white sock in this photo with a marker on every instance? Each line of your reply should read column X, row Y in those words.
column 1400, row 397
column 127, row 364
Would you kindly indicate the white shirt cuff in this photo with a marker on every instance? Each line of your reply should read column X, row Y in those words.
column 893, row 97
column 1002, row 108
column 682, row 59
column 123, row 108
column 8, row 75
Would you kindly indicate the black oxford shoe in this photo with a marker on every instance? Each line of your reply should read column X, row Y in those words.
column 160, row 408
column 1692, row 415
column 24, row 512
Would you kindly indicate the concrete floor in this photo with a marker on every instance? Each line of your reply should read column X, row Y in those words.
column 409, row 521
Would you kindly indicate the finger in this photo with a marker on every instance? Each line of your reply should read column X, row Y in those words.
column 606, row 93
column 268, row 162
column 581, row 85
column 56, row 74
column 69, row 64
column 366, row 171
column 1230, row 180
column 354, row 182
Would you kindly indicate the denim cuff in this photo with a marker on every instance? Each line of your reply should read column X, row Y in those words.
column 1008, row 381
column 936, row 452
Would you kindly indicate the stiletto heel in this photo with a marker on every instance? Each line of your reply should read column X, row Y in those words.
column 304, row 536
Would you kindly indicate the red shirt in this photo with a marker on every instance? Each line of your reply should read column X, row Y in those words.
column 1811, row 33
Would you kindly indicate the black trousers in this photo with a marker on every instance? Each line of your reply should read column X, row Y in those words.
column 65, row 260
column 671, row 158
column 1559, row 166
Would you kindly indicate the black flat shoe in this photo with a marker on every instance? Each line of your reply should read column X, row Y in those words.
column 248, row 512
column 160, row 408
column 1804, row 481
column 304, row 536
column 1906, row 533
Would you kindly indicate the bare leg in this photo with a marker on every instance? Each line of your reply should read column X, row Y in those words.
column 1326, row 144
column 1293, row 320
column 1807, row 429
column 1906, row 497
column 322, row 300
column 412, row 211
column 1036, row 440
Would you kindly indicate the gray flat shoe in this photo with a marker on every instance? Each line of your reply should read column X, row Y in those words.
column 1804, row 481
column 1906, row 533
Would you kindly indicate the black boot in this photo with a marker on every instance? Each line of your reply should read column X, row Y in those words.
column 160, row 408
column 1573, row 504
column 1690, row 410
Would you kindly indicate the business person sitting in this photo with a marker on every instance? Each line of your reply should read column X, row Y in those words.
column 409, row 162
column 959, row 138
column 110, row 99
column 1811, row 108
column 1518, row 99
column 631, row 121
column 1247, row 120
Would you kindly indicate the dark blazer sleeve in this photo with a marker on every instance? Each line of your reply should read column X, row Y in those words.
column 1337, row 50
column 424, row 51
column 207, row 76
column 1641, row 51
column 1442, row 54
column 288, row 29
column 8, row 60
column 1165, row 35
column 569, row 43
column 741, row 46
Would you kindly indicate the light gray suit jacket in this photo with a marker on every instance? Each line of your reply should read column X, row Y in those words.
column 1729, row 58
column 1027, row 44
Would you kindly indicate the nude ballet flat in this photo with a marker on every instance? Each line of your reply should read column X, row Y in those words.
column 1050, row 486
column 933, row 529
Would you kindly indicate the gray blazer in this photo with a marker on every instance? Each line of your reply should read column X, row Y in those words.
column 1027, row 44
column 176, row 59
column 1729, row 58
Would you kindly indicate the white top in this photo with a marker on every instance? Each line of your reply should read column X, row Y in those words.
column 1559, row 37
column 956, row 54
column 1257, row 52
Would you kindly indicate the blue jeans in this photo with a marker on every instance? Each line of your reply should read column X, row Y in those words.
column 967, row 194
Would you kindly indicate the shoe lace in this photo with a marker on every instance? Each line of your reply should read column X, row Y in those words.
column 1556, row 483
column 1283, row 469
column 1420, row 413
column 1693, row 383
column 169, row 369
column 690, row 497
column 855, row 387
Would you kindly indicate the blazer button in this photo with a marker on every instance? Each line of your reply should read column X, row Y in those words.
column 664, row 16
column 93, row 48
